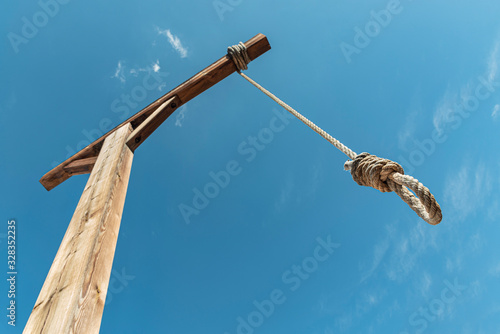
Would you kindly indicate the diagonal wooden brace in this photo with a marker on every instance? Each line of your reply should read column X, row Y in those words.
column 151, row 123
column 82, row 166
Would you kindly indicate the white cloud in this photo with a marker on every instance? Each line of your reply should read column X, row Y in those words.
column 450, row 102
column 445, row 108
column 425, row 285
column 154, row 67
column 494, row 210
column 162, row 86
column 365, row 303
column 408, row 249
column 407, row 131
column 476, row 288
column 343, row 322
column 454, row 265
column 495, row 270
column 467, row 189
column 314, row 180
column 372, row 299
column 496, row 112
column 388, row 312
column 379, row 252
column 180, row 114
column 493, row 62
column 474, row 243
column 286, row 193
column 174, row 41
column 119, row 72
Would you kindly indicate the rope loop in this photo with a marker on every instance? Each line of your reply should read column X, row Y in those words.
column 366, row 169
column 239, row 54
column 386, row 176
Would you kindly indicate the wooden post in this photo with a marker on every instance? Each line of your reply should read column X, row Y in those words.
column 73, row 295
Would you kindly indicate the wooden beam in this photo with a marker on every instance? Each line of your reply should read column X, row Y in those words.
column 191, row 88
column 82, row 166
column 147, row 127
column 73, row 295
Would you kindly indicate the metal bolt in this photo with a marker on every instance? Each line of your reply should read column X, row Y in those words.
column 138, row 139
column 173, row 105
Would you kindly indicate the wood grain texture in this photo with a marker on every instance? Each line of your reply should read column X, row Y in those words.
column 143, row 131
column 191, row 88
column 82, row 166
column 73, row 295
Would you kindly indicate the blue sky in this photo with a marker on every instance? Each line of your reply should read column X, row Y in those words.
column 290, row 244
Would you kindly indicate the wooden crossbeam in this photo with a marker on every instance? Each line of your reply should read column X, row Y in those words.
column 191, row 88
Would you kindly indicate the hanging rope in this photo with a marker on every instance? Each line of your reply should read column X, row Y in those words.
column 366, row 169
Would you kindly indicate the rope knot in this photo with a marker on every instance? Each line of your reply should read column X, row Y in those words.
column 239, row 54
column 386, row 176
column 372, row 171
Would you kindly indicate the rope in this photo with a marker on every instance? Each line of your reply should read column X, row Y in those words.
column 240, row 56
column 366, row 169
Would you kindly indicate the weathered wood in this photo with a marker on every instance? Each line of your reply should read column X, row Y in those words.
column 73, row 295
column 147, row 127
column 82, row 166
column 205, row 79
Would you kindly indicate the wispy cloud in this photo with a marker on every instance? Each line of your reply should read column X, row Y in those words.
column 174, row 41
column 343, row 322
column 119, row 72
column 494, row 210
column 407, row 251
column 314, row 180
column 495, row 270
column 286, row 193
column 475, row 243
column 122, row 71
column 454, row 265
column 181, row 114
column 496, row 112
column 476, row 288
column 154, row 67
column 407, row 131
column 450, row 102
column 466, row 190
column 400, row 253
column 162, row 86
column 444, row 109
column 366, row 302
column 388, row 312
column 289, row 191
column 493, row 62
column 379, row 252
column 425, row 285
